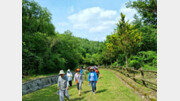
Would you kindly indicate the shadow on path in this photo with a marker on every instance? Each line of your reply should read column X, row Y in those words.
column 77, row 99
column 87, row 91
column 100, row 91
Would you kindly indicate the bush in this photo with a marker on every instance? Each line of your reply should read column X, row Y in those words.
column 31, row 64
column 121, row 59
column 149, row 57
column 114, row 64
column 144, row 59
column 135, row 63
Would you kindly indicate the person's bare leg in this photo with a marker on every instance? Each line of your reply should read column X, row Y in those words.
column 79, row 92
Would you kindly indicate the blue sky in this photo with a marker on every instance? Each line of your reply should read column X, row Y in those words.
column 91, row 19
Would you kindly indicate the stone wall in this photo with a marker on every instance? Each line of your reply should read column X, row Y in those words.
column 36, row 84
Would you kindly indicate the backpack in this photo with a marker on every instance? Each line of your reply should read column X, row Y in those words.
column 97, row 71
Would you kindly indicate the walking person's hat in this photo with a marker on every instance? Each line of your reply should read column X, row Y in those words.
column 68, row 70
column 61, row 72
column 91, row 68
column 77, row 70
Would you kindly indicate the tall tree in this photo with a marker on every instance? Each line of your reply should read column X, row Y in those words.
column 128, row 37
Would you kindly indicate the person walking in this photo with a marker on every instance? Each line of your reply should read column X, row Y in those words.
column 62, row 86
column 89, row 68
column 78, row 79
column 85, row 73
column 93, row 79
column 70, row 76
column 95, row 67
column 81, row 70
column 98, row 73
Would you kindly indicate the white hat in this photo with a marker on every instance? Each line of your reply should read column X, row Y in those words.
column 61, row 72
column 68, row 70
column 92, row 68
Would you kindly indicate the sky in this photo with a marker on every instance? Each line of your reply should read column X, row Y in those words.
column 91, row 19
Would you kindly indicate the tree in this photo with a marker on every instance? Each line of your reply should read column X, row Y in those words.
column 128, row 37
column 36, row 19
column 147, row 10
column 149, row 35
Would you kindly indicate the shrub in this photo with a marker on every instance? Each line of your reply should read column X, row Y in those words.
column 31, row 64
column 135, row 63
column 149, row 57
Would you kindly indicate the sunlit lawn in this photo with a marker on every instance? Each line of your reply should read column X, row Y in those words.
column 109, row 88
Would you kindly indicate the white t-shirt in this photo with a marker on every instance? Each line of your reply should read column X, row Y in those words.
column 69, row 75
column 92, row 77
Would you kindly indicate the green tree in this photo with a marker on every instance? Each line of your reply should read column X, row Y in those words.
column 128, row 37
column 147, row 10
column 36, row 19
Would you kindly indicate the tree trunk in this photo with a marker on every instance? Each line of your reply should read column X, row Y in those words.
column 117, row 61
column 126, row 61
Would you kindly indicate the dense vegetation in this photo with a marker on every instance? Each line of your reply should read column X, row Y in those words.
column 132, row 44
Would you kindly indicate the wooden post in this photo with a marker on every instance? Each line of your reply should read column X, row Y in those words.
column 134, row 74
column 123, row 71
column 119, row 68
column 127, row 71
column 142, row 74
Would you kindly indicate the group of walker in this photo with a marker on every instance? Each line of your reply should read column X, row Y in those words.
column 64, row 81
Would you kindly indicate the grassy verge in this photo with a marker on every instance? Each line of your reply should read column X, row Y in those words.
column 148, row 67
column 109, row 88
column 145, row 92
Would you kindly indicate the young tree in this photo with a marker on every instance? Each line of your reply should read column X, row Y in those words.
column 128, row 37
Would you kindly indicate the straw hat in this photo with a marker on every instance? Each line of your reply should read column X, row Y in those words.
column 91, row 68
column 61, row 72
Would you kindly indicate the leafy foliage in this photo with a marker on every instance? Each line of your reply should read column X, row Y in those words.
column 125, row 39
column 147, row 10
column 46, row 51
column 143, row 58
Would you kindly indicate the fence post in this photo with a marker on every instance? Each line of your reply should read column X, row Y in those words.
column 142, row 74
column 127, row 71
column 123, row 70
column 133, row 74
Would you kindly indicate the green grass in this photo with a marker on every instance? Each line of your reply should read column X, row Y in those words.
column 146, row 92
column 109, row 88
column 148, row 67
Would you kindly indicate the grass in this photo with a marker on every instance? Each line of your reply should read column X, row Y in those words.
column 146, row 92
column 109, row 87
column 148, row 67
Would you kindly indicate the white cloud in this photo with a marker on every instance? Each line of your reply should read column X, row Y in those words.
column 98, row 28
column 93, row 19
column 108, row 14
column 95, row 23
column 128, row 12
